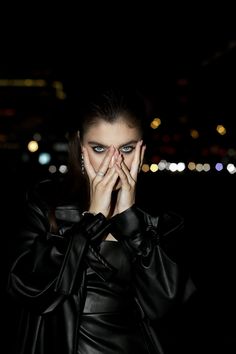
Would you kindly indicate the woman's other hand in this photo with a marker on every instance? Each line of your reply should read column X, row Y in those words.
column 102, row 182
column 126, row 194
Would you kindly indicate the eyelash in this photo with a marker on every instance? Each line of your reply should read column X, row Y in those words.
column 95, row 149
column 129, row 147
column 100, row 149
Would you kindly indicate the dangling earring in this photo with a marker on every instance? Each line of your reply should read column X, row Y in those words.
column 82, row 163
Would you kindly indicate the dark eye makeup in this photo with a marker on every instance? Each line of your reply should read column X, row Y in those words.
column 126, row 149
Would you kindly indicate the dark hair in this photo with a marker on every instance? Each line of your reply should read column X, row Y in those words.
column 108, row 105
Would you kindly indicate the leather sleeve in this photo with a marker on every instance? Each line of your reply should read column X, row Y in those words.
column 47, row 267
column 160, row 281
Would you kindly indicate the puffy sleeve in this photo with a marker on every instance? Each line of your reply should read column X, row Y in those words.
column 161, row 278
column 47, row 267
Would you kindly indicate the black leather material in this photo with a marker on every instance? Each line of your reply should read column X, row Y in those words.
column 49, row 274
column 110, row 323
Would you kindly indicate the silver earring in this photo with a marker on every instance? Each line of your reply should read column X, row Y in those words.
column 82, row 163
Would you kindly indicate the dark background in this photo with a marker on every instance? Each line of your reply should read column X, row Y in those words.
column 189, row 81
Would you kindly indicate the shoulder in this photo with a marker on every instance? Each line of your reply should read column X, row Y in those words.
column 51, row 194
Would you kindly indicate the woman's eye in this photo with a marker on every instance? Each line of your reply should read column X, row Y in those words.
column 127, row 149
column 98, row 149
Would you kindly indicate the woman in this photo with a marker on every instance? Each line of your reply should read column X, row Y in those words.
column 93, row 271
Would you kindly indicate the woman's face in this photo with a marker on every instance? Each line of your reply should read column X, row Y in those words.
column 100, row 136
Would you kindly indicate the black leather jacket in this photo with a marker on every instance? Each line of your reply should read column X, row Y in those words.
column 48, row 273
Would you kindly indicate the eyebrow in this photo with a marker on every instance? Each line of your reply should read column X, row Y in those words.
column 106, row 146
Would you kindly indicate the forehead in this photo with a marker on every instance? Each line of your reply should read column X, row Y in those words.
column 114, row 133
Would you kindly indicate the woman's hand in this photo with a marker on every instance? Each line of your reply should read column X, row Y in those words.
column 126, row 194
column 102, row 181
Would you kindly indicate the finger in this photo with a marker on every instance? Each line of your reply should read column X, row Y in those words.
column 106, row 185
column 88, row 167
column 113, row 180
column 114, row 158
column 123, row 173
column 136, row 161
column 119, row 159
column 104, row 181
column 105, row 163
column 102, row 193
column 126, row 170
column 121, row 163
